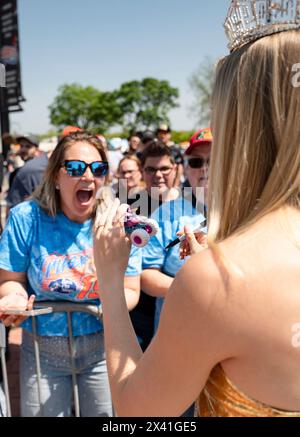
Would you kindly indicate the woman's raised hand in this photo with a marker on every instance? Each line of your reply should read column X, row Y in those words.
column 111, row 245
column 193, row 243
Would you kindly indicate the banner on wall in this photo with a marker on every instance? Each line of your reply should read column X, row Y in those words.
column 10, row 54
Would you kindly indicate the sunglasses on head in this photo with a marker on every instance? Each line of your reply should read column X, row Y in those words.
column 198, row 162
column 77, row 168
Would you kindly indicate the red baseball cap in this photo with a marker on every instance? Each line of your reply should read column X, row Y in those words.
column 203, row 136
column 69, row 130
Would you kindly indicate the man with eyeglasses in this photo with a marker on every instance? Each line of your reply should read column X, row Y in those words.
column 159, row 175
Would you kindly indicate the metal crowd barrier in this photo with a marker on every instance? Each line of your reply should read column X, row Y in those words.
column 68, row 308
column 7, row 411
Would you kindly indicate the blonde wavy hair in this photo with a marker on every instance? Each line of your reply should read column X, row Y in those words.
column 255, row 166
column 46, row 195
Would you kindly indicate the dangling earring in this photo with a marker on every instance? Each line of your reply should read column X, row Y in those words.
column 57, row 187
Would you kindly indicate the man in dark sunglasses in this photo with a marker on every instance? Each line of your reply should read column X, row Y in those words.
column 197, row 158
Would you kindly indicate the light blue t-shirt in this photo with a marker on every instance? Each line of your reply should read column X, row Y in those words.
column 57, row 256
column 134, row 267
column 172, row 217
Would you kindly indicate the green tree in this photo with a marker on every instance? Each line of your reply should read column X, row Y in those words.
column 145, row 103
column 201, row 83
column 85, row 107
column 135, row 105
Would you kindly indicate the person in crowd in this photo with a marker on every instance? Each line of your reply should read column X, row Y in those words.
column 27, row 180
column 20, row 186
column 159, row 173
column 7, row 142
column 26, row 147
column 160, row 265
column 229, row 329
column 130, row 175
column 164, row 134
column 46, row 253
column 13, row 163
column 134, row 140
column 115, row 154
column 147, row 137
column 29, row 147
column 197, row 158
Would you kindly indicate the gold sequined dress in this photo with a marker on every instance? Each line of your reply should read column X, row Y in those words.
column 221, row 398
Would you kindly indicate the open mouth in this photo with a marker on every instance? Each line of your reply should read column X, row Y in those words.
column 84, row 196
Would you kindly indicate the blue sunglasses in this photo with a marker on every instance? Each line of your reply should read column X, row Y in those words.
column 76, row 168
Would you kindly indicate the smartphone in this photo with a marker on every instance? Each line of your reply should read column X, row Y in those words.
column 28, row 313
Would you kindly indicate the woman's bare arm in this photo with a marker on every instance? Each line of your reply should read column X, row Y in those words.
column 190, row 339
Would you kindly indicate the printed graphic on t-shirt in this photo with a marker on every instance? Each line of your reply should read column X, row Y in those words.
column 70, row 275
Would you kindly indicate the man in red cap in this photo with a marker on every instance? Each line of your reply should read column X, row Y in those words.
column 197, row 157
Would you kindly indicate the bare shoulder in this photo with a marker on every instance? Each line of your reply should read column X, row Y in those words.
column 199, row 294
column 206, row 288
column 201, row 303
column 202, row 277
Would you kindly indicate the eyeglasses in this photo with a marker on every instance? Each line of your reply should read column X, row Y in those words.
column 76, row 168
column 129, row 172
column 198, row 162
column 165, row 171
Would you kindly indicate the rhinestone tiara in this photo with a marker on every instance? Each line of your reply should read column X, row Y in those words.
column 248, row 20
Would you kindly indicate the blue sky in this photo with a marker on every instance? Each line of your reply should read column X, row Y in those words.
column 104, row 43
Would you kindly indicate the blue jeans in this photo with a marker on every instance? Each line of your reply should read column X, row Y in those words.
column 56, row 377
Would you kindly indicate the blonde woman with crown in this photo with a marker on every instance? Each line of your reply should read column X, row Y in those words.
column 229, row 334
